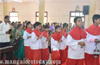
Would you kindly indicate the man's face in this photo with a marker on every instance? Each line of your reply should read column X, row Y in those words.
column 6, row 20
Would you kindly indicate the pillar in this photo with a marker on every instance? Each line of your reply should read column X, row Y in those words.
column 92, row 11
column 5, row 7
column 41, row 11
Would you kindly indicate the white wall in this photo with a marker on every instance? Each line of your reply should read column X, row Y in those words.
column 58, row 10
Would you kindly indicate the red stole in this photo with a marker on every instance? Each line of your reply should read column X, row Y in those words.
column 64, row 33
column 93, row 30
column 37, row 32
column 57, row 36
column 78, row 33
column 45, row 34
column 29, row 30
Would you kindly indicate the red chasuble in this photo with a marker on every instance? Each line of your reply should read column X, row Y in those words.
column 45, row 34
column 37, row 32
column 64, row 53
column 93, row 30
column 64, row 33
column 78, row 33
column 57, row 36
column 27, row 48
column 45, row 52
column 29, row 30
column 55, row 54
column 36, row 53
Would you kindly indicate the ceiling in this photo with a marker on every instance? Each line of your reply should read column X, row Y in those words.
column 38, row 0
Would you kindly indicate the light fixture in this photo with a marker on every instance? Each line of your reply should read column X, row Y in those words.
column 18, row 0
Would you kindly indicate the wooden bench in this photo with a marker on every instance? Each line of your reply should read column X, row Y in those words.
column 7, row 49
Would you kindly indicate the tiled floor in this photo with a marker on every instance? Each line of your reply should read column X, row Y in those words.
column 49, row 61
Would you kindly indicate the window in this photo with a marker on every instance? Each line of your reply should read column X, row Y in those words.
column 74, row 14
column 45, row 17
column 13, row 16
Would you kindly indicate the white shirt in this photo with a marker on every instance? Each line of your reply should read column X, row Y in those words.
column 44, row 43
column 74, row 50
column 90, row 46
column 3, row 29
column 54, row 45
column 27, row 42
column 63, row 43
column 36, row 44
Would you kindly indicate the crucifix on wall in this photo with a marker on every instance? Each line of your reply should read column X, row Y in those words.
column 77, row 8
